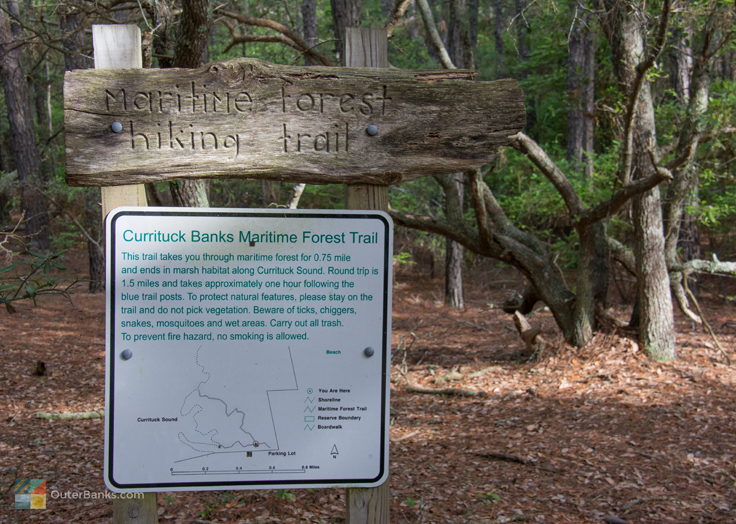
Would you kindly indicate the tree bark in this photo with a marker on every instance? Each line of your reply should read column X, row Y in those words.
column 498, row 29
column 625, row 25
column 72, row 25
column 458, row 38
column 522, row 29
column 191, row 44
column 345, row 13
column 23, row 137
column 581, row 95
column 309, row 27
column 454, row 252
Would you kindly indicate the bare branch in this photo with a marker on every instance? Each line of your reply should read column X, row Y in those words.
column 481, row 215
column 621, row 196
column 623, row 254
column 706, row 324
column 678, row 291
column 506, row 227
column 707, row 266
column 549, row 169
column 456, row 232
column 300, row 44
column 279, row 39
column 396, row 16
column 434, row 35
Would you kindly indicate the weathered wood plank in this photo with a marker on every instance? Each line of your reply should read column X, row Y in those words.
column 117, row 46
column 245, row 117
column 366, row 47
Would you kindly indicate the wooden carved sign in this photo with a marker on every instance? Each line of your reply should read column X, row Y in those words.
column 248, row 118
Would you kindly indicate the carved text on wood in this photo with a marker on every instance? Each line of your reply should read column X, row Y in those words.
column 309, row 124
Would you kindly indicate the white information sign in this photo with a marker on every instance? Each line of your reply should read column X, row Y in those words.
column 247, row 349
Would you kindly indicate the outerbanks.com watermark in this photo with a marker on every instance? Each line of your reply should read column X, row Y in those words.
column 32, row 494
column 91, row 495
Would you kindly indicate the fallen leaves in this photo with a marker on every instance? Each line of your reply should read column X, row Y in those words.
column 576, row 437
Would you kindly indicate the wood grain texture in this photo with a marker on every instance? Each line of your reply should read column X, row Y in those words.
column 367, row 48
column 248, row 118
column 120, row 46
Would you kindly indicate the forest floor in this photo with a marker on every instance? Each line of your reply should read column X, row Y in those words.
column 590, row 435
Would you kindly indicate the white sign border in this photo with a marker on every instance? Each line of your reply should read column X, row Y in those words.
column 110, row 220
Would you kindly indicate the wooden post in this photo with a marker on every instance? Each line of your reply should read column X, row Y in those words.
column 367, row 48
column 119, row 47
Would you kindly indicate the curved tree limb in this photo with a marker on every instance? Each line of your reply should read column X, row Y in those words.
column 479, row 206
column 396, row 16
column 622, row 254
column 621, row 196
column 678, row 291
column 456, row 232
column 549, row 169
column 300, row 44
column 244, row 39
column 497, row 214
column 707, row 266
column 434, row 35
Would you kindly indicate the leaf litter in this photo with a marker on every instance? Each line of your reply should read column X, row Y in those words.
column 598, row 434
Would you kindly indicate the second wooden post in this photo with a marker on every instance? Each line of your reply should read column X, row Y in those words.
column 367, row 48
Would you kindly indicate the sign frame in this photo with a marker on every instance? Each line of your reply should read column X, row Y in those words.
column 113, row 353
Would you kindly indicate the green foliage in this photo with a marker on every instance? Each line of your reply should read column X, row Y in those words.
column 719, row 200
column 489, row 497
column 403, row 258
column 29, row 277
column 410, row 502
column 285, row 494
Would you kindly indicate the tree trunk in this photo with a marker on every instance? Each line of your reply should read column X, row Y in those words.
column 95, row 251
column 581, row 95
column 270, row 193
column 454, row 252
column 191, row 44
column 522, row 29
column 193, row 193
column 591, row 281
column 626, row 33
column 456, row 34
column 345, row 13
column 498, row 29
column 309, row 26
column 682, row 62
column 70, row 23
column 20, row 115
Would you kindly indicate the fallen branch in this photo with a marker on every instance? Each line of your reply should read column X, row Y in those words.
column 72, row 415
column 706, row 324
column 516, row 460
column 504, row 457
column 708, row 266
column 404, row 437
column 533, row 341
column 459, row 392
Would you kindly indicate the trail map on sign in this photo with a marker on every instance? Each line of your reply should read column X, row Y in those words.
column 246, row 349
column 233, row 397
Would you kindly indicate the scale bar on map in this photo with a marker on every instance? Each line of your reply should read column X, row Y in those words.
column 236, row 471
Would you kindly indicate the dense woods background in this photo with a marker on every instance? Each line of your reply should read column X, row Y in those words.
column 615, row 208
column 625, row 170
